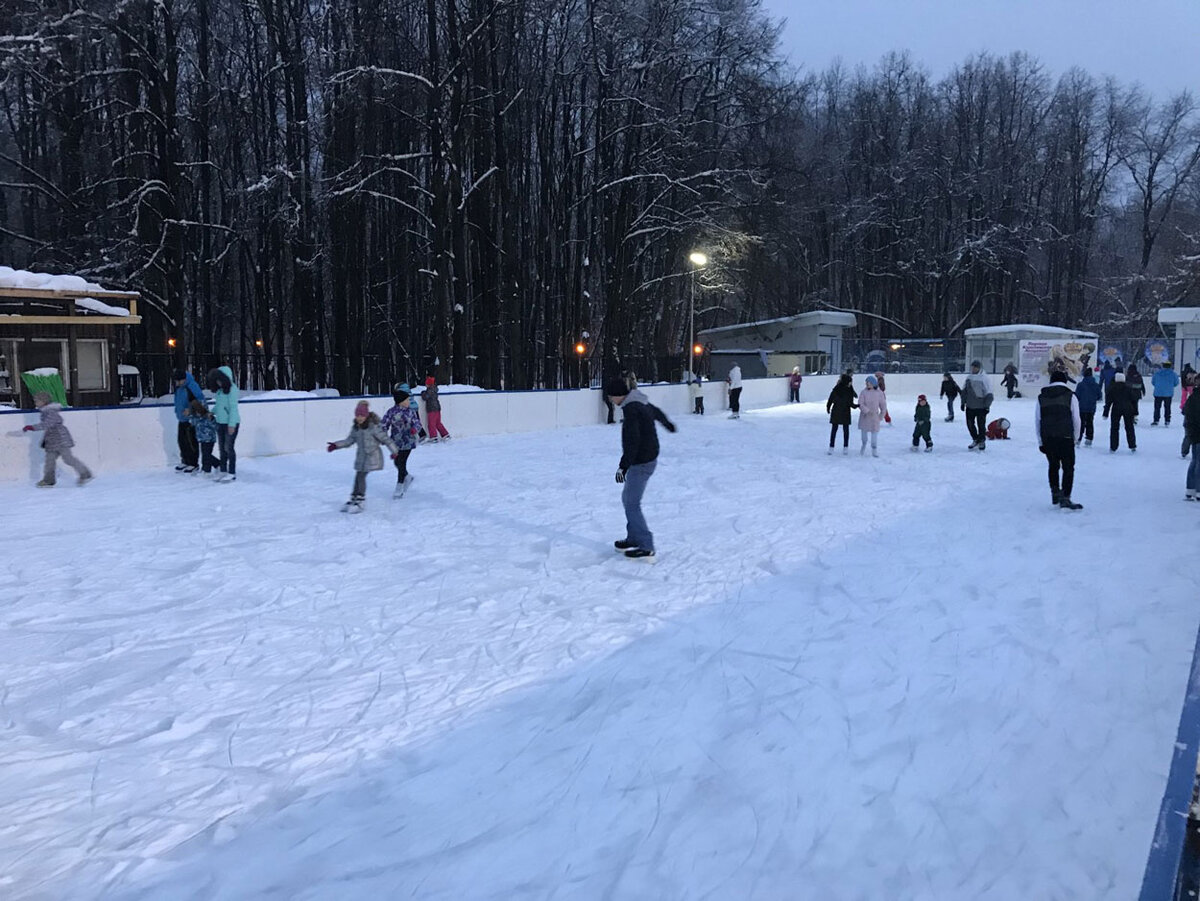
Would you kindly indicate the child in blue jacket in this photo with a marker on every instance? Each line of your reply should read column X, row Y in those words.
column 205, row 427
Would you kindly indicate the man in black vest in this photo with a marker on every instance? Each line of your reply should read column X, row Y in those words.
column 1057, row 425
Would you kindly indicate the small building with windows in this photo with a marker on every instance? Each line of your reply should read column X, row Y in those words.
column 79, row 332
column 770, row 347
column 996, row 346
column 1182, row 324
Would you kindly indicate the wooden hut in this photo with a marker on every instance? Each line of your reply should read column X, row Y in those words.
column 79, row 333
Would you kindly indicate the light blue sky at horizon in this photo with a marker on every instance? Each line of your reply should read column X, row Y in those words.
column 1153, row 42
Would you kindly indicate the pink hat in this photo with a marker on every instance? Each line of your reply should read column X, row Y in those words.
column 362, row 409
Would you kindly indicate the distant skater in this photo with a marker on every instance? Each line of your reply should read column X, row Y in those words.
column 56, row 442
column 841, row 402
column 923, row 430
column 433, row 411
column 794, row 381
column 734, row 380
column 1087, row 393
column 229, row 420
column 696, row 393
column 1165, row 381
column 950, row 391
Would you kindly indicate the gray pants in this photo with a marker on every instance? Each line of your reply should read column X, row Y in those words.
column 48, row 474
column 636, row 529
column 360, row 486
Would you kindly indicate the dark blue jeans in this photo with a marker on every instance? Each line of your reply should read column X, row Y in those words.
column 226, row 436
column 1193, row 473
column 636, row 530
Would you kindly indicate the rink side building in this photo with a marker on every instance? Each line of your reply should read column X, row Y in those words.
column 812, row 341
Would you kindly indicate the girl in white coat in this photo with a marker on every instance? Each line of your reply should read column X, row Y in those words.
column 872, row 410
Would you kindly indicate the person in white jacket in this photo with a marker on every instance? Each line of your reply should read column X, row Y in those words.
column 734, row 379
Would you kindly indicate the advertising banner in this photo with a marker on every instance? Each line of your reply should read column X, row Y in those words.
column 1038, row 358
column 1157, row 351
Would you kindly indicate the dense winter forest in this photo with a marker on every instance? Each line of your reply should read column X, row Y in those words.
column 343, row 190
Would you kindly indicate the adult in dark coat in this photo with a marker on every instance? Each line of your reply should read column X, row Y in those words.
column 610, row 371
column 840, row 403
column 1137, row 387
column 1121, row 405
column 639, row 457
column 1087, row 392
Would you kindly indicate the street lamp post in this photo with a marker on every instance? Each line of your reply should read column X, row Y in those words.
column 698, row 261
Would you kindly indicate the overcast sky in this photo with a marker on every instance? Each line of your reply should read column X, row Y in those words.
column 1153, row 42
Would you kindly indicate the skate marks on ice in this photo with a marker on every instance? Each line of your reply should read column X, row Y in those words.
column 468, row 695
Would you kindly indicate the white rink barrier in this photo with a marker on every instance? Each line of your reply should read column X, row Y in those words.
column 123, row 439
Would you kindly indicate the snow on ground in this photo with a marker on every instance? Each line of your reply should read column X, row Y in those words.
column 845, row 678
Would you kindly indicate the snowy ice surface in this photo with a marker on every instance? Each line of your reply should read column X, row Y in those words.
column 902, row 678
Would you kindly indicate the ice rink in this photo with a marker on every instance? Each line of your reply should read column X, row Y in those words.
column 845, row 678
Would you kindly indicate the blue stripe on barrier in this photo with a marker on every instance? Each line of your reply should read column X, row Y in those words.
column 1166, row 851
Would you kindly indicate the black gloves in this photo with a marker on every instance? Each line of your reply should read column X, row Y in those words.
column 620, row 476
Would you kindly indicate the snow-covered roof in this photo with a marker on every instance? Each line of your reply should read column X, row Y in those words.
column 989, row 330
column 816, row 317
column 70, row 286
column 1176, row 315
column 123, row 369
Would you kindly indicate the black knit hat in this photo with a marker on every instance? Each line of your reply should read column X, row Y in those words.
column 180, row 375
column 616, row 388
column 1058, row 375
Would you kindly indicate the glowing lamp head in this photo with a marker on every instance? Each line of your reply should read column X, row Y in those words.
column 580, row 348
column 697, row 258
column 258, row 343
column 170, row 342
column 698, row 349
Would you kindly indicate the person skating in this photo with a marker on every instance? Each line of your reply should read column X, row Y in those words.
column 950, row 391
column 205, row 427
column 1137, row 388
column 1087, row 393
column 872, row 410
column 1056, row 423
column 229, row 420
column 1191, row 430
column 56, row 442
column 1010, row 380
column 1107, row 371
column 696, row 393
column 187, row 389
column 882, row 383
column 639, row 457
column 734, row 379
column 1187, row 380
column 1164, row 382
column 403, row 425
column 794, row 381
column 924, row 424
column 1120, row 405
column 433, row 411
column 366, row 434
column 976, row 402
column 841, row 402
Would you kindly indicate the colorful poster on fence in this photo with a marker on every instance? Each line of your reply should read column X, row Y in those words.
column 1037, row 358
column 1157, row 352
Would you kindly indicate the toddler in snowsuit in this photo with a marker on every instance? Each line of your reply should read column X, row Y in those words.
column 367, row 435
column 997, row 429
column 205, row 427
column 403, row 425
column 924, row 424
column 57, row 441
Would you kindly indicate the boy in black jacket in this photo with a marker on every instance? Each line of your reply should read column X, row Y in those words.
column 639, row 456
